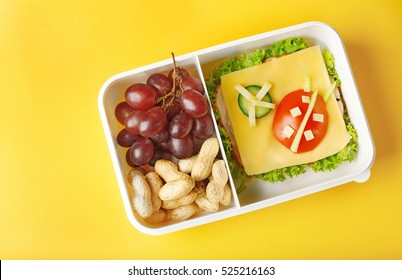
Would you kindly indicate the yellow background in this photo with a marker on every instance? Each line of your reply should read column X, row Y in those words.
column 59, row 197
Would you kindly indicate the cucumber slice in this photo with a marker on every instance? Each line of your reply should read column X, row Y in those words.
column 244, row 104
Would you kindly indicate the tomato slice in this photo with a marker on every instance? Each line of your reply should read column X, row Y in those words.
column 283, row 117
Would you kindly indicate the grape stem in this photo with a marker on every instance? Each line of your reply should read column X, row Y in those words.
column 176, row 76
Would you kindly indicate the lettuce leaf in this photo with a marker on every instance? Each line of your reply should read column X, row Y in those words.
column 246, row 60
column 280, row 175
column 330, row 63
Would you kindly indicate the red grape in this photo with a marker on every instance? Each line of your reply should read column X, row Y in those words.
column 152, row 122
column 133, row 121
column 141, row 96
column 183, row 147
column 197, row 145
column 180, row 72
column 193, row 103
column 164, row 146
column 192, row 83
column 157, row 155
column 128, row 159
column 175, row 108
column 122, row 110
column 142, row 151
column 181, row 125
column 126, row 138
column 203, row 127
column 161, row 136
column 162, row 83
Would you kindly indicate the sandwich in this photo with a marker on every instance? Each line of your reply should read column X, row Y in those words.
column 280, row 111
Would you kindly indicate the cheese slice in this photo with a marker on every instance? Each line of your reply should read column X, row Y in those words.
column 259, row 150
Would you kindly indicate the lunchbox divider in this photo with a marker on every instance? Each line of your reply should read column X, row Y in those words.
column 231, row 182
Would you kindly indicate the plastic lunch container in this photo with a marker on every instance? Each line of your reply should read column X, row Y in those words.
column 259, row 194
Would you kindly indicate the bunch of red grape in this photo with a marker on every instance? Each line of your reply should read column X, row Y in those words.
column 168, row 115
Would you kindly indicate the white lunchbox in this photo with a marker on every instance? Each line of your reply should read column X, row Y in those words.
column 259, row 194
